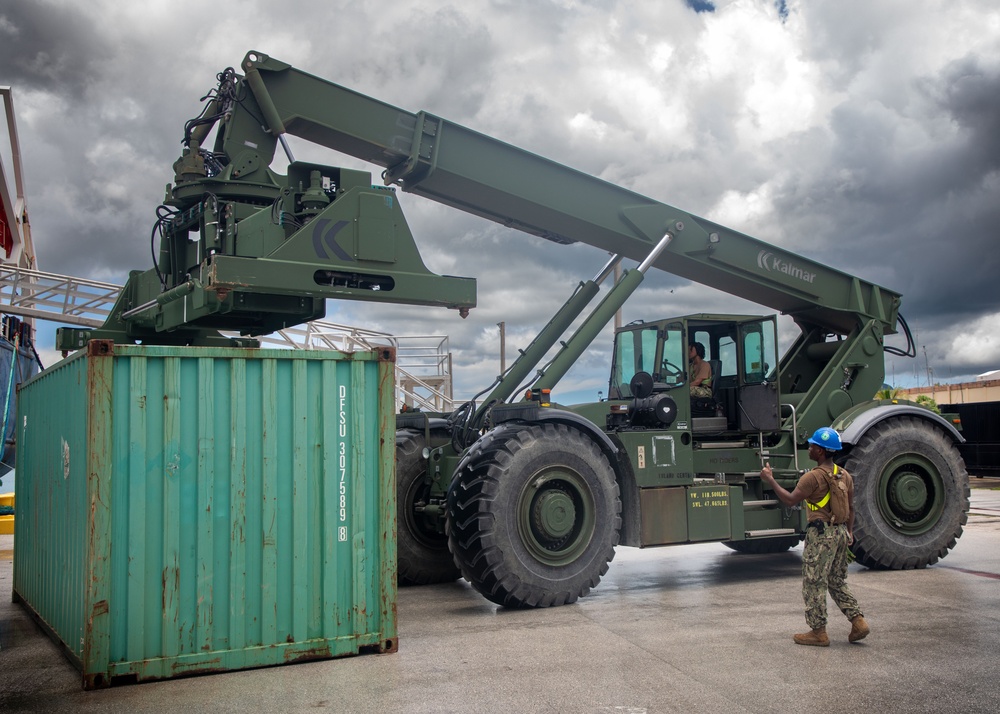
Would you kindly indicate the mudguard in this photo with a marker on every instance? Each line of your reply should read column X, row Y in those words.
column 532, row 414
column 853, row 424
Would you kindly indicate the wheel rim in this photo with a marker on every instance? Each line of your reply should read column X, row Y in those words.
column 556, row 516
column 911, row 494
column 423, row 528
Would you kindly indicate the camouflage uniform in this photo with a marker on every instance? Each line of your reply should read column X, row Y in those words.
column 700, row 390
column 824, row 567
column 824, row 557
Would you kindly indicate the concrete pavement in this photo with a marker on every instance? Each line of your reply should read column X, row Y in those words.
column 687, row 629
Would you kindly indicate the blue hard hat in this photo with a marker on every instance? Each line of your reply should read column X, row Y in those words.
column 827, row 438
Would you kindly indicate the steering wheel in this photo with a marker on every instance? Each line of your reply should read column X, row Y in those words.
column 672, row 370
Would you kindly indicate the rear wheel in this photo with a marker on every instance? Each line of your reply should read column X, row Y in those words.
column 534, row 516
column 911, row 494
column 421, row 547
column 769, row 545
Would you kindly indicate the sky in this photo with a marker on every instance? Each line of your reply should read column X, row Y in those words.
column 862, row 135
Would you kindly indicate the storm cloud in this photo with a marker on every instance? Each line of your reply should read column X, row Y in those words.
column 863, row 135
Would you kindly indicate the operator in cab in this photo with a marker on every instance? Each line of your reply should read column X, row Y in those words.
column 828, row 491
column 699, row 371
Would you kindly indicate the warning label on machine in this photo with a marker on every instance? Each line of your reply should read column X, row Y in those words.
column 708, row 498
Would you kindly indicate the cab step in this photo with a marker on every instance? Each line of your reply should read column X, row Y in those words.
column 767, row 532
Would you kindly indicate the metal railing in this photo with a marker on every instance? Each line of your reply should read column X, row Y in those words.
column 49, row 296
column 423, row 362
column 425, row 378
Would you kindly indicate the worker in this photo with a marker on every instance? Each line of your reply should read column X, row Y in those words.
column 699, row 371
column 824, row 557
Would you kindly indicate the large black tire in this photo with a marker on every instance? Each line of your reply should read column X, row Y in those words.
column 422, row 555
column 911, row 494
column 768, row 545
column 534, row 516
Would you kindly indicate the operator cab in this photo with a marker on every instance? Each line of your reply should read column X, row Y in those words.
column 742, row 351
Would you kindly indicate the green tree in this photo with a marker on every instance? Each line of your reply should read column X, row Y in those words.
column 925, row 401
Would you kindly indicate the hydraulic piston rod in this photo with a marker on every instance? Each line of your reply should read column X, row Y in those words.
column 595, row 322
column 548, row 336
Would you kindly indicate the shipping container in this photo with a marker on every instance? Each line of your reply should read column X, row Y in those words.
column 981, row 430
column 185, row 509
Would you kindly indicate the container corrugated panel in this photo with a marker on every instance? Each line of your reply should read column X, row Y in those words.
column 184, row 510
column 980, row 420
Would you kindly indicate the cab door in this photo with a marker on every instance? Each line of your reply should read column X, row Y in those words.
column 758, row 352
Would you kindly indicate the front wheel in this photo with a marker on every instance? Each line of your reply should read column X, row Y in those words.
column 534, row 516
column 911, row 494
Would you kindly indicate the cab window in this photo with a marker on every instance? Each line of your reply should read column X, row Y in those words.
column 635, row 351
column 673, row 362
column 759, row 351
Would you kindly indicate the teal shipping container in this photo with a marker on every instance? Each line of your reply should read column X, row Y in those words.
column 185, row 510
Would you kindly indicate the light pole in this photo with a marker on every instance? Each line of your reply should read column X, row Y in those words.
column 503, row 350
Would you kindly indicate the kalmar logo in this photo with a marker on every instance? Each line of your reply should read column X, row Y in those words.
column 768, row 261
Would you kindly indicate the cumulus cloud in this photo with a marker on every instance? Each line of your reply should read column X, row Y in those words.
column 859, row 134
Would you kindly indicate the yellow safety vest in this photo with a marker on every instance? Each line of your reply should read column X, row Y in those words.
column 825, row 500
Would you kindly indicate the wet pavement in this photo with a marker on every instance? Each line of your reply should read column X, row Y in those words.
column 691, row 628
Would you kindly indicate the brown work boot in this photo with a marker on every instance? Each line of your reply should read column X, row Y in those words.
column 859, row 629
column 816, row 638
